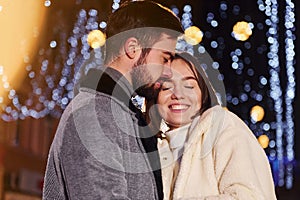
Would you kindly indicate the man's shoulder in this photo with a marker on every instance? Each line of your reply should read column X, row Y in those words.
column 87, row 98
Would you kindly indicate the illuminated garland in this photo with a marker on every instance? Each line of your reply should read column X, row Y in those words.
column 61, row 93
column 284, row 157
column 290, row 89
column 60, row 83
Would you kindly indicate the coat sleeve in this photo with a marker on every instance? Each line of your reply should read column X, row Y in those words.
column 241, row 165
column 85, row 160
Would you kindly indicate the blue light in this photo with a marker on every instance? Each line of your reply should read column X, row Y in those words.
column 31, row 74
column 223, row 6
column 53, row 44
column 235, row 101
column 214, row 44
column 235, row 58
column 82, row 13
column 263, row 80
column 215, row 65
column 266, row 127
column 247, row 87
column 201, row 49
column 236, row 9
column 210, row 17
column 47, row 3
column 250, row 72
column 234, row 65
column 93, row 12
column 272, row 144
column 187, row 8
column 244, row 97
column 175, row 10
column 102, row 24
column 214, row 23
column 115, row 6
column 221, row 77
column 258, row 97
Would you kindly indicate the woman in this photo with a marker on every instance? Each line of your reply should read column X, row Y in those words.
column 207, row 151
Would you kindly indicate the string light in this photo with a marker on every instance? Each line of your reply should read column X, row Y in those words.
column 115, row 5
column 271, row 10
column 186, row 22
column 61, row 93
column 284, row 129
column 290, row 89
column 61, row 78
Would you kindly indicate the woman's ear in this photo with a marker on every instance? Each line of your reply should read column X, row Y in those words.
column 132, row 48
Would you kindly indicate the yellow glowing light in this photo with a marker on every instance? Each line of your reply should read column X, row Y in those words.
column 257, row 113
column 193, row 35
column 242, row 30
column 96, row 39
column 21, row 25
column 263, row 141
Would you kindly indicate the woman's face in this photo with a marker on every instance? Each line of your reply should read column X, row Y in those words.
column 180, row 96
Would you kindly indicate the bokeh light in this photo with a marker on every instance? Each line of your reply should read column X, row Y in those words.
column 257, row 113
column 242, row 31
column 263, row 141
column 96, row 39
column 193, row 35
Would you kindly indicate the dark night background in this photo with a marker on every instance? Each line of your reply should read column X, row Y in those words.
column 254, row 58
column 62, row 17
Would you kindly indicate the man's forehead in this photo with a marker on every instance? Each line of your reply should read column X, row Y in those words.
column 166, row 44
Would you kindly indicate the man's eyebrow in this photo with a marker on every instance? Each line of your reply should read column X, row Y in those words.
column 172, row 55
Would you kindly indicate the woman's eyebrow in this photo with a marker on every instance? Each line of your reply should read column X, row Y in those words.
column 188, row 78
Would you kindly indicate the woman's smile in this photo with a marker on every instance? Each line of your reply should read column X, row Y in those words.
column 178, row 107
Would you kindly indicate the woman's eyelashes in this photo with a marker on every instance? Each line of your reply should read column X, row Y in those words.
column 169, row 85
column 190, row 83
column 189, row 87
column 166, row 87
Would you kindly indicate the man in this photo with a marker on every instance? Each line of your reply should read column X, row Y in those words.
column 102, row 148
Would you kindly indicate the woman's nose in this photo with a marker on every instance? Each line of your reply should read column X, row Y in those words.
column 177, row 93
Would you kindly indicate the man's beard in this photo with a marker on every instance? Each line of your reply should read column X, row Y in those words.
column 142, row 81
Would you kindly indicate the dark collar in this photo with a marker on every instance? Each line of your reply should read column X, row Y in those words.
column 109, row 81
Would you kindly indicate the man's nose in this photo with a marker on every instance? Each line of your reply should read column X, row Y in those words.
column 167, row 73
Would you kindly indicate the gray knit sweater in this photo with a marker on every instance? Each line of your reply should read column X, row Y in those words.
column 96, row 152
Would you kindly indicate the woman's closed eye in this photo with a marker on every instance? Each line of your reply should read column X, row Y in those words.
column 189, row 86
column 167, row 86
column 189, row 83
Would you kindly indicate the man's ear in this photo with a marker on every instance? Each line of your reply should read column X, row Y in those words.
column 132, row 48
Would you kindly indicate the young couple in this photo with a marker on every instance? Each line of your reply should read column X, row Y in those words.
column 104, row 148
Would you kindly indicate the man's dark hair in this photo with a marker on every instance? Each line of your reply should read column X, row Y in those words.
column 135, row 19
